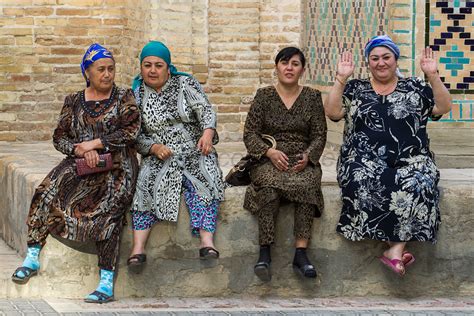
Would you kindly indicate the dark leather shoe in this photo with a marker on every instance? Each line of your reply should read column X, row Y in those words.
column 306, row 270
column 262, row 270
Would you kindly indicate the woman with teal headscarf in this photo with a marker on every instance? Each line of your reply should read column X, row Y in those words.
column 176, row 143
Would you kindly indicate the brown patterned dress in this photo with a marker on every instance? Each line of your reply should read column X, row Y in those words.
column 89, row 207
column 302, row 128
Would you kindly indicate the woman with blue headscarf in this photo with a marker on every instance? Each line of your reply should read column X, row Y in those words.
column 386, row 170
column 101, row 119
column 176, row 143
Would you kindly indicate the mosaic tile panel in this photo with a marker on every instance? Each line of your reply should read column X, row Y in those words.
column 450, row 32
column 334, row 26
column 462, row 111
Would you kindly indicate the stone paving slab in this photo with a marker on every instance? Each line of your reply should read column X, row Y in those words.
column 244, row 306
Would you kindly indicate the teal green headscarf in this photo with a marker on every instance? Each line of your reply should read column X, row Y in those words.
column 158, row 49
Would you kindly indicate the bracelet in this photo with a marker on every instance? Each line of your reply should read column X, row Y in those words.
column 340, row 81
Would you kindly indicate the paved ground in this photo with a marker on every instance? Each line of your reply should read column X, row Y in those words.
column 208, row 306
column 229, row 306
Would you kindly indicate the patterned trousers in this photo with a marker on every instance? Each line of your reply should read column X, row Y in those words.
column 107, row 250
column 304, row 215
column 202, row 215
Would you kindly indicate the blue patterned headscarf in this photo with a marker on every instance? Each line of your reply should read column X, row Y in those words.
column 93, row 53
column 381, row 40
column 158, row 49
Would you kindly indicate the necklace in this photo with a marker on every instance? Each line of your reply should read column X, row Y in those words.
column 288, row 100
column 387, row 88
column 97, row 110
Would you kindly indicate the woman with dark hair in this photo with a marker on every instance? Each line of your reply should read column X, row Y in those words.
column 293, row 115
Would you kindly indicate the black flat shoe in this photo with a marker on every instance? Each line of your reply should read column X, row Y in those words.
column 307, row 271
column 262, row 270
column 302, row 265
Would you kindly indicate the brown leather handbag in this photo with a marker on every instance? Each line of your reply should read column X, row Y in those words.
column 240, row 174
column 105, row 164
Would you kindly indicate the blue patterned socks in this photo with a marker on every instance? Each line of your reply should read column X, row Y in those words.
column 105, row 291
column 106, row 284
column 32, row 259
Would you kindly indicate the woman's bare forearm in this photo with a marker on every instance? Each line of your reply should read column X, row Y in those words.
column 333, row 105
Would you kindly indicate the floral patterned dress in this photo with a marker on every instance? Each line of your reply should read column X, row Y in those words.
column 386, row 171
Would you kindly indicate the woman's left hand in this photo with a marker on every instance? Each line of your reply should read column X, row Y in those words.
column 205, row 142
column 302, row 163
column 92, row 158
column 428, row 62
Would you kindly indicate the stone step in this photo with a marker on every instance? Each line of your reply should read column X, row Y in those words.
column 174, row 270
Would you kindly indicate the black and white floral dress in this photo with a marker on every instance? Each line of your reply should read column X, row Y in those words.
column 386, row 171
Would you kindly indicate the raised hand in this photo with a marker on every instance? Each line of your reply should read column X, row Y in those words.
column 345, row 66
column 428, row 62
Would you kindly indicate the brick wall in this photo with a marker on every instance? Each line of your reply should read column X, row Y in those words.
column 136, row 14
column 244, row 37
column 41, row 46
column 229, row 45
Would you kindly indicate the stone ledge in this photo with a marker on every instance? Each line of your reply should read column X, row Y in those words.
column 174, row 270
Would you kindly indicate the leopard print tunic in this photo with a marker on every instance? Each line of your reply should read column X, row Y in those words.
column 300, row 129
column 175, row 117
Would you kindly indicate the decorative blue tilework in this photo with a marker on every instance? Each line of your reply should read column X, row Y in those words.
column 450, row 33
column 335, row 26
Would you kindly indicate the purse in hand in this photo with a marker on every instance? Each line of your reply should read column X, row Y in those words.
column 240, row 173
column 105, row 164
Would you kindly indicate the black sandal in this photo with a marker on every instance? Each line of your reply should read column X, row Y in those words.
column 101, row 298
column 136, row 262
column 208, row 253
column 28, row 272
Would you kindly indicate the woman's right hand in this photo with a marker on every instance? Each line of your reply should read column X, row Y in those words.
column 161, row 151
column 278, row 159
column 345, row 66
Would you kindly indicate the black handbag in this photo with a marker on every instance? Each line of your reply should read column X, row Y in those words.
column 240, row 174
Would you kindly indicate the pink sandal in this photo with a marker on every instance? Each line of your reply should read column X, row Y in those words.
column 393, row 265
column 407, row 258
